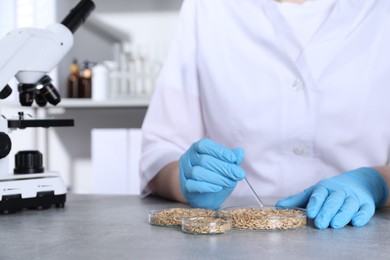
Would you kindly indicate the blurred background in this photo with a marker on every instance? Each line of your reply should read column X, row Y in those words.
column 105, row 81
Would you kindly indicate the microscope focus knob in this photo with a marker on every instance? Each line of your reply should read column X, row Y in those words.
column 27, row 162
column 5, row 147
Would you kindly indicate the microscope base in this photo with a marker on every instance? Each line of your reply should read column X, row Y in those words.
column 31, row 191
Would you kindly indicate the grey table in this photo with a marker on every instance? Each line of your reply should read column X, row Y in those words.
column 116, row 227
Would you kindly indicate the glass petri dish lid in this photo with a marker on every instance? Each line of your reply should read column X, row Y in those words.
column 207, row 225
column 172, row 217
column 266, row 218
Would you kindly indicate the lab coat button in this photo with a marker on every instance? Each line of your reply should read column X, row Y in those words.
column 298, row 150
column 298, row 85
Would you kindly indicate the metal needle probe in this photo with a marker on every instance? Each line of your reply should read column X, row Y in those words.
column 254, row 193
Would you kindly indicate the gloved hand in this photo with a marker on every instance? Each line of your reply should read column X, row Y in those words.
column 209, row 173
column 349, row 197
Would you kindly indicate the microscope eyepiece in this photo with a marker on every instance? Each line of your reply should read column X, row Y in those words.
column 78, row 15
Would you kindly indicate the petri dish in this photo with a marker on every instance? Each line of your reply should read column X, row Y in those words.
column 266, row 218
column 172, row 217
column 207, row 225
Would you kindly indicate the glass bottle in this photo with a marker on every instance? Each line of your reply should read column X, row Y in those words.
column 85, row 89
column 73, row 80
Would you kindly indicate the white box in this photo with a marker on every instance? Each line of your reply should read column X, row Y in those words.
column 115, row 161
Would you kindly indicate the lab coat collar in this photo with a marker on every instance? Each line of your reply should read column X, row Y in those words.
column 342, row 19
column 339, row 23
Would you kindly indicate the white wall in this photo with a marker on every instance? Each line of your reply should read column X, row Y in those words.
column 7, row 14
column 144, row 28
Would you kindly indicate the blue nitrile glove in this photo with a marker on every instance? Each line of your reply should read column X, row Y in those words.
column 349, row 197
column 209, row 173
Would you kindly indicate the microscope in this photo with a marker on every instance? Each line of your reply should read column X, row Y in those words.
column 28, row 54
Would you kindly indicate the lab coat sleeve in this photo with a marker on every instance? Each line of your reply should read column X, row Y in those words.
column 173, row 120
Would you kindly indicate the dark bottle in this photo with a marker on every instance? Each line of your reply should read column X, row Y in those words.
column 73, row 80
column 85, row 88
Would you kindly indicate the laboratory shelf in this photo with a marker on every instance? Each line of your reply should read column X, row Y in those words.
column 77, row 103
column 89, row 103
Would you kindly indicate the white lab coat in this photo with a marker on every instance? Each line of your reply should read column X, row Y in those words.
column 237, row 75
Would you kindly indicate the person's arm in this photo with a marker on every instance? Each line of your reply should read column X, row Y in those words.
column 385, row 172
column 166, row 183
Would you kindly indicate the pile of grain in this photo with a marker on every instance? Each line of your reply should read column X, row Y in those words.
column 266, row 218
column 206, row 225
column 173, row 216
